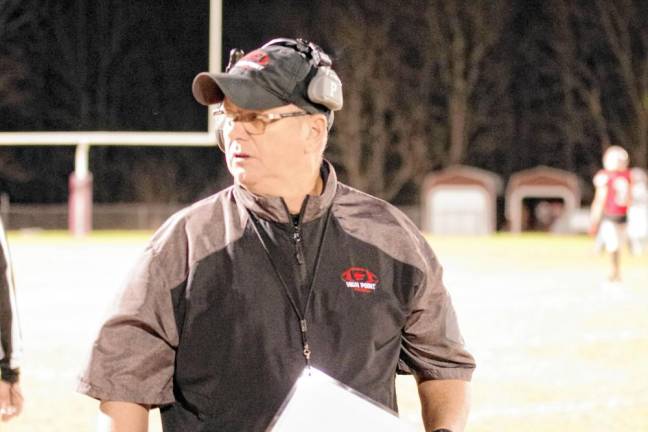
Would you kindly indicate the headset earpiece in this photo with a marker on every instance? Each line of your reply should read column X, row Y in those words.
column 325, row 87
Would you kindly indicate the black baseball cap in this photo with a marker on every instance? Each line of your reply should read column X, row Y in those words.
column 268, row 77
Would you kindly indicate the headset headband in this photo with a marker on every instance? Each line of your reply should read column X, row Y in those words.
column 316, row 56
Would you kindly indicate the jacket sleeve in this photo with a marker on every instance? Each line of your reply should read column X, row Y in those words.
column 10, row 338
column 133, row 356
column 431, row 344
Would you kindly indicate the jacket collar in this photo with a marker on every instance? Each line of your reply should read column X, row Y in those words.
column 275, row 209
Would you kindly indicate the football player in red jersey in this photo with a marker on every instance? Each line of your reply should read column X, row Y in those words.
column 609, row 211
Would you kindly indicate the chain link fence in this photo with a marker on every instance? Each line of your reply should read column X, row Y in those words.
column 136, row 216
column 104, row 216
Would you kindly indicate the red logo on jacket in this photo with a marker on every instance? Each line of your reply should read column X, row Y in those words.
column 360, row 279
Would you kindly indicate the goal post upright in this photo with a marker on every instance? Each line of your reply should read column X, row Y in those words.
column 80, row 191
column 215, row 46
column 80, row 180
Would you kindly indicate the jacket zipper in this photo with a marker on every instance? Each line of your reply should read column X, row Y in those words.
column 298, row 241
column 297, row 235
column 299, row 253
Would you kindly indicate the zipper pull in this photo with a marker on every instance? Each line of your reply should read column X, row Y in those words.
column 307, row 352
column 299, row 250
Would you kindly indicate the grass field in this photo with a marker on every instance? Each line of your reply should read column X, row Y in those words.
column 558, row 349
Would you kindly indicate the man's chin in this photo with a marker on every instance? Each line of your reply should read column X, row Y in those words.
column 245, row 179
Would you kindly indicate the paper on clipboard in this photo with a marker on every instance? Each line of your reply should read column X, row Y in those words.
column 318, row 402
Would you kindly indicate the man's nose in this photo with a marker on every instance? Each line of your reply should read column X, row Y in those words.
column 236, row 131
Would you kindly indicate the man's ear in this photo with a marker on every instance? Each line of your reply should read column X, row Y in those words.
column 317, row 132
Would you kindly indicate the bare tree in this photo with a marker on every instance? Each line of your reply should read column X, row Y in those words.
column 15, row 18
column 380, row 139
column 417, row 95
column 575, row 46
column 462, row 35
column 12, row 72
column 92, row 43
column 626, row 33
column 601, row 54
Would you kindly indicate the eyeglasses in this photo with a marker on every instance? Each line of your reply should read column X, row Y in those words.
column 253, row 123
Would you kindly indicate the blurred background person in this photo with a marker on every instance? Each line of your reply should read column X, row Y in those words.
column 609, row 211
column 11, row 400
column 638, row 212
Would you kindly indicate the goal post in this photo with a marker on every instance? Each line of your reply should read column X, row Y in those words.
column 80, row 180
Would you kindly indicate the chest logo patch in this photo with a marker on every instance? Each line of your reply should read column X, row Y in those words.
column 360, row 279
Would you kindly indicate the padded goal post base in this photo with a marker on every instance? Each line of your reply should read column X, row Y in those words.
column 80, row 204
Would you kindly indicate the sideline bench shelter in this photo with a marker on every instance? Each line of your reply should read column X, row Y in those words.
column 539, row 196
column 460, row 200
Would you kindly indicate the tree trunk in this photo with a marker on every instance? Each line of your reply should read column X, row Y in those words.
column 458, row 113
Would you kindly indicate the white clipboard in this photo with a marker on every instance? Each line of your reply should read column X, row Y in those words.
column 319, row 402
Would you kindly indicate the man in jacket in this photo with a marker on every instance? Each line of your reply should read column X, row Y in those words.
column 11, row 399
column 288, row 268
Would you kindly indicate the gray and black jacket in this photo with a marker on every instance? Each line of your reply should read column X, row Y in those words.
column 207, row 327
column 10, row 340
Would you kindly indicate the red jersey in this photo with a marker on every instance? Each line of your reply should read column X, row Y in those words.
column 617, row 184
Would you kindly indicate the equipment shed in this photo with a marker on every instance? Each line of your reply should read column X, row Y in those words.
column 460, row 200
column 537, row 197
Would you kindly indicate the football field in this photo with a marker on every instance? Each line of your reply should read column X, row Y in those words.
column 557, row 348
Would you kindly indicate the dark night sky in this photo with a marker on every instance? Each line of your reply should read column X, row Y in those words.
column 134, row 72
